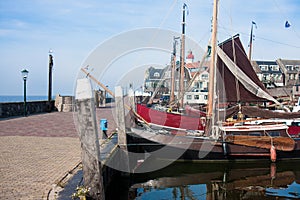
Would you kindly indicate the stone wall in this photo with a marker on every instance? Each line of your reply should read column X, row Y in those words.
column 12, row 109
column 64, row 103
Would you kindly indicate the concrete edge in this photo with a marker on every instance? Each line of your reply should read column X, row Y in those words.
column 59, row 186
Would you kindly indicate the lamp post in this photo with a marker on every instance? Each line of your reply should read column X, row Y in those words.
column 25, row 75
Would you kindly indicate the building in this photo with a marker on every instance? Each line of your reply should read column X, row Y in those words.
column 291, row 78
column 280, row 77
column 290, row 70
column 154, row 78
column 269, row 73
column 196, row 93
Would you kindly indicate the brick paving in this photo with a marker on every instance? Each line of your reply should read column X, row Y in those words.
column 38, row 151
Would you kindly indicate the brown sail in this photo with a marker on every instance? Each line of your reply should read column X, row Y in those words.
column 230, row 89
column 265, row 142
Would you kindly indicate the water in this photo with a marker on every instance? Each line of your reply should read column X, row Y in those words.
column 202, row 181
column 21, row 98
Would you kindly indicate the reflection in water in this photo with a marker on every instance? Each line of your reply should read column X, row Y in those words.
column 210, row 181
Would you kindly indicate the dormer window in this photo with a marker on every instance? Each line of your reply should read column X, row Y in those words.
column 263, row 67
column 290, row 67
column 156, row 74
column 204, row 76
column 274, row 67
column 204, row 68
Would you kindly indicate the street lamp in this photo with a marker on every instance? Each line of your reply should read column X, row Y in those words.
column 25, row 75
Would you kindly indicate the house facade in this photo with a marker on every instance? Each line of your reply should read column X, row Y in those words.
column 290, row 70
column 161, row 78
column 198, row 94
column 269, row 73
column 154, row 78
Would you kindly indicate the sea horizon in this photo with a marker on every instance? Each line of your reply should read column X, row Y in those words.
column 20, row 98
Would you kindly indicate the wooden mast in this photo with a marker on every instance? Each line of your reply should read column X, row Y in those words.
column 250, row 43
column 181, row 84
column 173, row 62
column 212, row 70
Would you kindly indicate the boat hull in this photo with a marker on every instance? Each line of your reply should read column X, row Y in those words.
column 172, row 147
column 167, row 119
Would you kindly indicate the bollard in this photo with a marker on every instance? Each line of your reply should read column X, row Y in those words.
column 103, row 128
column 120, row 113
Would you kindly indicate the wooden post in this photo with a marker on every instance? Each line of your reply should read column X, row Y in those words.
column 120, row 116
column 88, row 134
column 122, row 141
column 50, row 82
column 131, row 99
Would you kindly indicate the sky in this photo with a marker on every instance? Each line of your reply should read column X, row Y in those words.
column 74, row 29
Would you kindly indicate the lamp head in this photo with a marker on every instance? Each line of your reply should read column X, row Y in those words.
column 24, row 74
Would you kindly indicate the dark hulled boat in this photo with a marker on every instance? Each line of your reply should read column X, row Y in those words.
column 233, row 81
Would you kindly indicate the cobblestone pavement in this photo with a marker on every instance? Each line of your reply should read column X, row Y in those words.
column 38, row 151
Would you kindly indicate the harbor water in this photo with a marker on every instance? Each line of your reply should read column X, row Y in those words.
column 211, row 181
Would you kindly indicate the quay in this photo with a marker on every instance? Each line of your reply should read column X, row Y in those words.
column 38, row 151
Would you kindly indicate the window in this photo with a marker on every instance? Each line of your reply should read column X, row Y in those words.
column 198, row 85
column 204, row 76
column 196, row 97
column 274, row 67
column 188, row 97
column 290, row 67
column 263, row 67
column 233, row 133
column 264, row 77
column 274, row 134
column 156, row 74
column 295, row 124
column 194, row 69
column 254, row 134
column 205, row 97
column 204, row 68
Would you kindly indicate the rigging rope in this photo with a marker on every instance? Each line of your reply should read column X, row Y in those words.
column 237, row 88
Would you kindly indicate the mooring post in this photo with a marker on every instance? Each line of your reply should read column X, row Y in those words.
column 120, row 113
column 131, row 99
column 88, row 134
column 122, row 141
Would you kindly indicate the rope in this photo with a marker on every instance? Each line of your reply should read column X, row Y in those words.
column 237, row 88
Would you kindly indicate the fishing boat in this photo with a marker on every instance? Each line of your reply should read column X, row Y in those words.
column 173, row 114
column 185, row 117
column 232, row 82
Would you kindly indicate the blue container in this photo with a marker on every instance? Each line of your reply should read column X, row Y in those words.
column 103, row 124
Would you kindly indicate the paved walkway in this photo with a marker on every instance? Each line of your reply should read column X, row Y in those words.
column 37, row 151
